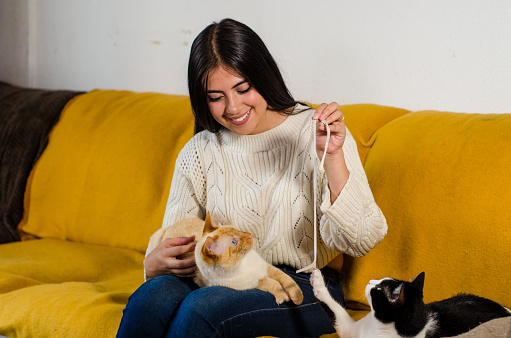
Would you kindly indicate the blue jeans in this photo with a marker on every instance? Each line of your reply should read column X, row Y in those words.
column 175, row 307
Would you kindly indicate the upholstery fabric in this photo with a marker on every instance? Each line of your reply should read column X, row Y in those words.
column 26, row 118
column 115, row 152
column 442, row 181
column 62, row 289
column 497, row 328
column 364, row 120
column 99, row 190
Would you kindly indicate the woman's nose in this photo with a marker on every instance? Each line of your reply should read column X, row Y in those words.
column 233, row 104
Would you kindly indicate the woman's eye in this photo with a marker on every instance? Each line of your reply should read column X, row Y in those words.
column 234, row 242
column 213, row 99
column 245, row 90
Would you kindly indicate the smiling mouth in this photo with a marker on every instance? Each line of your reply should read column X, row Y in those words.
column 241, row 120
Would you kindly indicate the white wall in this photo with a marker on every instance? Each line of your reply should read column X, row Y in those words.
column 438, row 54
column 14, row 41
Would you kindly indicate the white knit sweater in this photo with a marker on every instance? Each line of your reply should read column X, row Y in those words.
column 262, row 184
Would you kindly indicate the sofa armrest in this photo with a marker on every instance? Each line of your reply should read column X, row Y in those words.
column 26, row 118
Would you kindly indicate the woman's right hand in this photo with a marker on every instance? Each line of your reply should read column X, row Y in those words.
column 163, row 259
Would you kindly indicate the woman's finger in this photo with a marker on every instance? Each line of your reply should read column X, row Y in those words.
column 328, row 112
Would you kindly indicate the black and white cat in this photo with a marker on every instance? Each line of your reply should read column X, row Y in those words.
column 398, row 310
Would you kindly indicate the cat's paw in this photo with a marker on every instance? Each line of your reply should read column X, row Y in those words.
column 318, row 285
column 281, row 297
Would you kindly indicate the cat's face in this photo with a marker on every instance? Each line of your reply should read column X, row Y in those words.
column 224, row 245
column 390, row 298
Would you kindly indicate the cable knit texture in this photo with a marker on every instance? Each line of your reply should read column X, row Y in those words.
column 262, row 184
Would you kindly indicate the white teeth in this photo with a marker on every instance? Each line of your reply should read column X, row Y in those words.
column 241, row 118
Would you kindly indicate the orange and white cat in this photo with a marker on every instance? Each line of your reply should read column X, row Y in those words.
column 225, row 257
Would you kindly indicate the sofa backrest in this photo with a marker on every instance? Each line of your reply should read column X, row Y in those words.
column 364, row 120
column 105, row 175
column 443, row 182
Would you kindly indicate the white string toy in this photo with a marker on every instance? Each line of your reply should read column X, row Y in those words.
column 313, row 265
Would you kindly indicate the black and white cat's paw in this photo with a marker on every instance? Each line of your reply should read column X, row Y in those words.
column 318, row 285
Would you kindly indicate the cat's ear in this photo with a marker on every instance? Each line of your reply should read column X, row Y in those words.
column 418, row 282
column 208, row 225
column 397, row 296
column 207, row 253
column 216, row 247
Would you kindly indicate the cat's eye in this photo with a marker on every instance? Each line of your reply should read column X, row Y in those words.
column 234, row 242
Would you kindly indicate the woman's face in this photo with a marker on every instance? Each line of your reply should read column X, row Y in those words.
column 237, row 106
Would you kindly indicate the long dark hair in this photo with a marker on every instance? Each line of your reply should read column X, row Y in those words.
column 235, row 46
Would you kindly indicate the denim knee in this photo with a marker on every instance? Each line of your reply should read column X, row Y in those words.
column 157, row 293
column 153, row 305
column 198, row 314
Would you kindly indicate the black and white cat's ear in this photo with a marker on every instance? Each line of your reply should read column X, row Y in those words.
column 397, row 296
column 418, row 281
column 209, row 226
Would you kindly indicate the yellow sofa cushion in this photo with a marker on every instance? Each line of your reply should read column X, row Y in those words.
column 57, row 288
column 106, row 172
column 364, row 120
column 442, row 181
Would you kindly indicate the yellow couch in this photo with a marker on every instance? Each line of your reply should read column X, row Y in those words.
column 99, row 190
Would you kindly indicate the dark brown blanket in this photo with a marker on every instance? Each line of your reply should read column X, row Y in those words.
column 26, row 118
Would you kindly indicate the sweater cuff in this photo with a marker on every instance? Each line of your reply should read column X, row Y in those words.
column 355, row 218
column 346, row 206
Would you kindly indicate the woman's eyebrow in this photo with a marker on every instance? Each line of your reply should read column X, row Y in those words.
column 239, row 83
column 236, row 85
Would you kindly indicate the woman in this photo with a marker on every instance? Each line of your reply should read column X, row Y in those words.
column 251, row 167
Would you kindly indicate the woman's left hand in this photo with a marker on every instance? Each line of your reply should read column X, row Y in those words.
column 335, row 119
column 335, row 165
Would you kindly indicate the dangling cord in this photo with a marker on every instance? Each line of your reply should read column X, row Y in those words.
column 313, row 265
column 321, row 165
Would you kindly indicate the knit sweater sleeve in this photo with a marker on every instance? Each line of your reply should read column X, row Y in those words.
column 354, row 223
